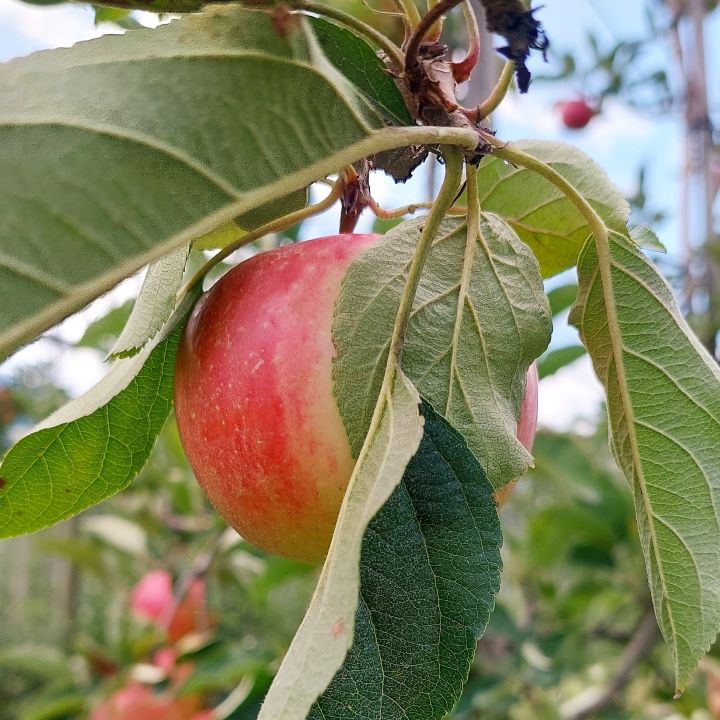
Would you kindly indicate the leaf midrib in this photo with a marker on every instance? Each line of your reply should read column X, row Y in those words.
column 604, row 268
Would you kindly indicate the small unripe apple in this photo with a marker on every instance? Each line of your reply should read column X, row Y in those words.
column 254, row 396
column 576, row 114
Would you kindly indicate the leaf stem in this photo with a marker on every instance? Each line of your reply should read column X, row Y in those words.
column 443, row 202
column 493, row 100
column 411, row 12
column 601, row 237
column 282, row 223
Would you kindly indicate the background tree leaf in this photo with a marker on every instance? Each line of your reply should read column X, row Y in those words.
column 557, row 359
column 539, row 212
column 326, row 633
column 663, row 393
column 561, row 298
column 360, row 64
column 150, row 140
column 155, row 303
column 429, row 572
column 480, row 319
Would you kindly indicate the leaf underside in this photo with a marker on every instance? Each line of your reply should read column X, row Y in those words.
column 539, row 212
column 118, row 151
column 479, row 320
column 429, row 569
column 663, row 393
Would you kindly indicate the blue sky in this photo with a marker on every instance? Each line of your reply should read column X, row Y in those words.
column 620, row 140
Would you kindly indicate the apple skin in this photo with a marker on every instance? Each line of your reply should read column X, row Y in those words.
column 254, row 399
column 526, row 427
column 138, row 702
column 576, row 114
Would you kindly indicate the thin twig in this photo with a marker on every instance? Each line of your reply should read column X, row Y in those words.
column 643, row 638
column 273, row 226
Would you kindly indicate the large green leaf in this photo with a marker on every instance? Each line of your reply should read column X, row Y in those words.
column 429, row 572
column 93, row 447
column 479, row 320
column 326, row 633
column 361, row 65
column 120, row 150
column 539, row 212
column 663, row 393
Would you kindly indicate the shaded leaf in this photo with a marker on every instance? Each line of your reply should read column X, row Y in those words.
column 360, row 64
column 479, row 320
column 561, row 298
column 430, row 569
column 103, row 332
column 663, row 396
column 326, row 633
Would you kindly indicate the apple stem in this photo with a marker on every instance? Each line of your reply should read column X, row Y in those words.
column 198, row 570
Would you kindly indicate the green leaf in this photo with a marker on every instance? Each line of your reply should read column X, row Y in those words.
column 647, row 238
column 479, row 320
column 554, row 531
column 663, row 393
column 41, row 661
column 93, row 447
column 150, row 140
column 429, row 572
column 325, row 635
column 154, row 304
column 557, row 359
column 103, row 332
column 360, row 64
column 539, row 212
column 561, row 298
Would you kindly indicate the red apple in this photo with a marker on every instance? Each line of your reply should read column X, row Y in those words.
column 576, row 114
column 254, row 399
column 152, row 598
column 135, row 701
column 526, row 427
